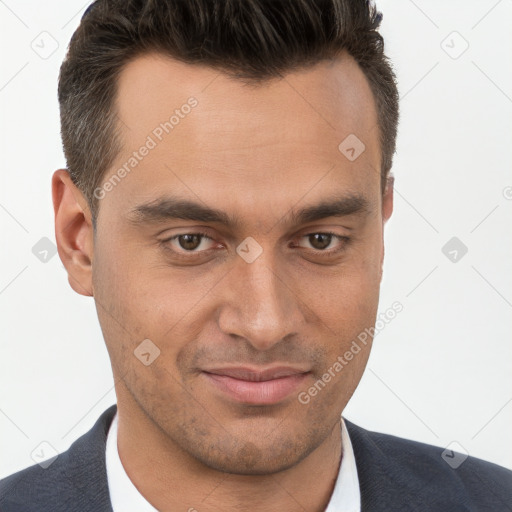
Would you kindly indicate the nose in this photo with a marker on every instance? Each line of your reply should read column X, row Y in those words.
column 259, row 304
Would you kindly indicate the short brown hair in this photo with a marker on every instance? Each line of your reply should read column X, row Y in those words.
column 251, row 40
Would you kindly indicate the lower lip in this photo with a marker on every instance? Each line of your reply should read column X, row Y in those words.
column 257, row 393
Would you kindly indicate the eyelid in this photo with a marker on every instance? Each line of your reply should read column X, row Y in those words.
column 165, row 243
column 343, row 239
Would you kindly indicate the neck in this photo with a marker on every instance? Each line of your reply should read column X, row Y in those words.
column 170, row 479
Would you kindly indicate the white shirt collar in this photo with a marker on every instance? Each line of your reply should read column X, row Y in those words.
column 126, row 498
column 346, row 496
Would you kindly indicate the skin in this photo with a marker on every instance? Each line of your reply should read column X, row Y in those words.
column 257, row 153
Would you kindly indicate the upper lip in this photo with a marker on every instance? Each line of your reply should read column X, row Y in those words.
column 255, row 375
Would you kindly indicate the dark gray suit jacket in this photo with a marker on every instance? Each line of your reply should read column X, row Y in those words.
column 394, row 475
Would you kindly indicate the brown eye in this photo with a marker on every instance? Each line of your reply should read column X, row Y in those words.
column 324, row 243
column 320, row 240
column 189, row 242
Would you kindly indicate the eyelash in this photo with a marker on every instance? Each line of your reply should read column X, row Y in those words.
column 192, row 254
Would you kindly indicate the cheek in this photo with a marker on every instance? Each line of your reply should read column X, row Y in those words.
column 148, row 299
column 137, row 280
column 346, row 299
column 345, row 305
column 168, row 303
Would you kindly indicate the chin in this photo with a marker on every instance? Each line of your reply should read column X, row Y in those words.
column 249, row 458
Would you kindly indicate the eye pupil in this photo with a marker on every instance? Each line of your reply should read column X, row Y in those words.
column 189, row 242
column 320, row 240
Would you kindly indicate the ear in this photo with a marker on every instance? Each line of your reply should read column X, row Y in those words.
column 387, row 199
column 73, row 232
column 387, row 210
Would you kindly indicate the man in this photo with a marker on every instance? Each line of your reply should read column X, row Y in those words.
column 227, row 187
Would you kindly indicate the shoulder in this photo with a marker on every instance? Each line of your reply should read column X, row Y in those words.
column 426, row 473
column 75, row 480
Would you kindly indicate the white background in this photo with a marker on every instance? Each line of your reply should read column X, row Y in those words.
column 440, row 371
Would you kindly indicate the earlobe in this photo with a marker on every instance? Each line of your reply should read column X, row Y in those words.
column 73, row 232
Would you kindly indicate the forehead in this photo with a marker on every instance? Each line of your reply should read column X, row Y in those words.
column 254, row 144
column 333, row 95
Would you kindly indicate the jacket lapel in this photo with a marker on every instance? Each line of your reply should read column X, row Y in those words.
column 76, row 481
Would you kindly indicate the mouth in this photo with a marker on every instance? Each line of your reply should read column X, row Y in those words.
column 256, row 387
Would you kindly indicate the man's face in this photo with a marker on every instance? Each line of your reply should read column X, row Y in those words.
column 287, row 297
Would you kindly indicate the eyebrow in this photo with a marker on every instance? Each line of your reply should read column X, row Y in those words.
column 173, row 208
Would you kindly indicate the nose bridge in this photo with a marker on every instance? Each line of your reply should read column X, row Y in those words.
column 262, row 308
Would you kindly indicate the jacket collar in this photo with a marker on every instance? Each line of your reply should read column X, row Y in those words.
column 394, row 474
